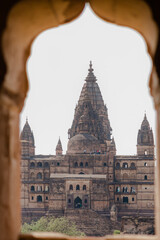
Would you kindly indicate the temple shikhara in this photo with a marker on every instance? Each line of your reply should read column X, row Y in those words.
column 89, row 184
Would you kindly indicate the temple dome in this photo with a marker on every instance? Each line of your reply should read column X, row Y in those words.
column 83, row 143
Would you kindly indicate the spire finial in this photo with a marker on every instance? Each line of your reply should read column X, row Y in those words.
column 145, row 117
column 26, row 119
column 90, row 67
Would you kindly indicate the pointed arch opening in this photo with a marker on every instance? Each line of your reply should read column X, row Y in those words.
column 78, row 202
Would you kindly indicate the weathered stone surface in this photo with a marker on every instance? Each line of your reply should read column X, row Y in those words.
column 90, row 184
column 16, row 73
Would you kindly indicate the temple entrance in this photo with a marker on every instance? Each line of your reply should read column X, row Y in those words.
column 77, row 203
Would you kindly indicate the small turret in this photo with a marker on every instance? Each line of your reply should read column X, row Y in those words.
column 27, row 141
column 59, row 149
column 145, row 141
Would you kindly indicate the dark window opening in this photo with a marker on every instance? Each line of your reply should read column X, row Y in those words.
column 132, row 165
column 86, row 164
column 145, row 164
column 118, row 199
column 58, row 164
column 46, row 165
column 76, row 164
column 125, row 189
column 77, row 187
column 145, row 177
column 84, row 187
column 81, row 173
column 32, row 198
column 39, row 164
column 78, row 203
column 133, row 199
column 85, row 201
column 39, row 198
column 81, row 164
column 71, row 187
column 118, row 165
column 125, row 165
column 46, row 198
column 32, row 188
column 69, row 200
column 125, row 199
column 32, row 164
column 105, row 164
column 39, row 175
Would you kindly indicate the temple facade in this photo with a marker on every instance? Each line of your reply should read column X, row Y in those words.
column 90, row 178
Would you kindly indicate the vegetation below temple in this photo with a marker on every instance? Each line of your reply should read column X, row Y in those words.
column 51, row 224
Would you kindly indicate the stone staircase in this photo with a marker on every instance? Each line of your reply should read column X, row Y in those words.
column 91, row 222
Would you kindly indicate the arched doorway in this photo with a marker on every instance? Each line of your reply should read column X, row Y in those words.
column 78, row 202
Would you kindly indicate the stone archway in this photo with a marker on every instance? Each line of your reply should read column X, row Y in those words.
column 22, row 22
column 78, row 202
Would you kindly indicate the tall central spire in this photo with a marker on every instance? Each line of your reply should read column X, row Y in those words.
column 91, row 116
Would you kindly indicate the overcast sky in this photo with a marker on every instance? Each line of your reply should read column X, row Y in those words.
column 59, row 65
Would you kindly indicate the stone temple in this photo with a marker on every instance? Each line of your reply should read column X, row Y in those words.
column 90, row 184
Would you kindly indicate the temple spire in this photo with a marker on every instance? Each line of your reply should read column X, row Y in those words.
column 59, row 149
column 90, row 77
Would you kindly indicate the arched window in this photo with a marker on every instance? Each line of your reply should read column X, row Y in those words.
column 39, row 175
column 84, row 187
column 125, row 189
column 81, row 173
column 58, row 164
column 145, row 177
column 76, row 164
column 78, row 203
column 32, row 164
column 69, row 200
column 104, row 164
column 39, row 198
column 133, row 190
column 81, row 164
column 32, row 175
column 118, row 165
column 86, row 164
column 32, row 188
column 125, row 165
column 132, row 165
column 77, row 187
column 71, row 187
column 145, row 164
column 46, row 164
column 117, row 189
column 39, row 164
column 39, row 188
column 85, row 201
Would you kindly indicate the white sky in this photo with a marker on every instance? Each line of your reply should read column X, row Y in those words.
column 59, row 65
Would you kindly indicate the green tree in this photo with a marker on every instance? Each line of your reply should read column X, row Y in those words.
column 51, row 224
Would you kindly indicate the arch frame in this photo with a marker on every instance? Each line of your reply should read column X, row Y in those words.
column 22, row 22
